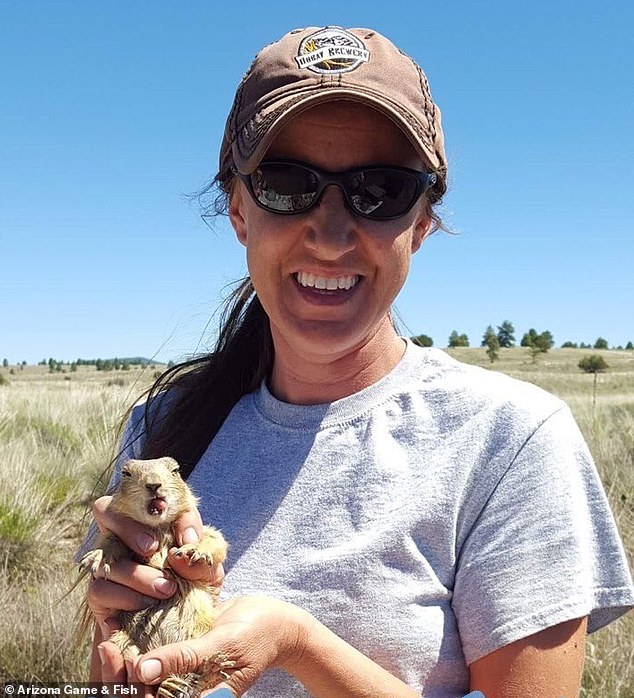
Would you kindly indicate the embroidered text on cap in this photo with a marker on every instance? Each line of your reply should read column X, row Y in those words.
column 331, row 50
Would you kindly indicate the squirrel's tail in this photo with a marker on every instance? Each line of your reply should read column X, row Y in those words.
column 84, row 624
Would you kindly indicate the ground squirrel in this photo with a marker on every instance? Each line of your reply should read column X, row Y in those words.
column 153, row 493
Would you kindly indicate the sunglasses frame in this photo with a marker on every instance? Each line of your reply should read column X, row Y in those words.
column 424, row 180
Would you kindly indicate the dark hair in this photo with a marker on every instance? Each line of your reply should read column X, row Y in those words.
column 201, row 392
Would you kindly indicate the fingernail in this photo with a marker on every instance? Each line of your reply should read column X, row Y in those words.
column 102, row 654
column 145, row 542
column 150, row 670
column 166, row 587
column 222, row 693
column 190, row 536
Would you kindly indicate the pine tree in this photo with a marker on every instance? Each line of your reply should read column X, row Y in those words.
column 458, row 340
column 493, row 347
column 594, row 363
column 506, row 334
column 488, row 333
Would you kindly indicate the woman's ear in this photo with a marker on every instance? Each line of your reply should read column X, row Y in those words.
column 422, row 229
column 236, row 212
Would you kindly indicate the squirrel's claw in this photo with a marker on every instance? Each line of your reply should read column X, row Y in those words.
column 194, row 554
column 93, row 561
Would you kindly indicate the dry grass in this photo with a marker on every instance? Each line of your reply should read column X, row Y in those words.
column 56, row 440
column 57, row 434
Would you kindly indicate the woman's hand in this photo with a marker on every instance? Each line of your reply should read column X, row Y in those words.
column 250, row 635
column 253, row 634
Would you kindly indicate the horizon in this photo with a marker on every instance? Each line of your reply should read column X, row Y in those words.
column 145, row 361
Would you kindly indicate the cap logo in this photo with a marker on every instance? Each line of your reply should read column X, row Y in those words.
column 331, row 50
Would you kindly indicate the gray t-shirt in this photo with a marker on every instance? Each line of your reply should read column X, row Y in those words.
column 429, row 519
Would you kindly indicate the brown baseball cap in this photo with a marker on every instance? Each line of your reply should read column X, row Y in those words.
column 315, row 65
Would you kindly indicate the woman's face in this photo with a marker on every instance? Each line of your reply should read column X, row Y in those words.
column 291, row 257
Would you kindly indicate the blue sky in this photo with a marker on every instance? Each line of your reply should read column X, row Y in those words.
column 112, row 112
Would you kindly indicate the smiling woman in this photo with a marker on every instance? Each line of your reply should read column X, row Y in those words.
column 419, row 526
column 312, row 326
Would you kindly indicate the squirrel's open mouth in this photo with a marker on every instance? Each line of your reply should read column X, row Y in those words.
column 156, row 506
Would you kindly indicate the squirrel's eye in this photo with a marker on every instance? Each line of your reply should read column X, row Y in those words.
column 126, row 473
column 176, row 470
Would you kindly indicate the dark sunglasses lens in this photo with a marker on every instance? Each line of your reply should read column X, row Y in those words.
column 284, row 188
column 382, row 193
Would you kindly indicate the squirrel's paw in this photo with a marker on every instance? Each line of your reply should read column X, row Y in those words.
column 178, row 687
column 219, row 664
column 93, row 561
column 194, row 553
column 188, row 686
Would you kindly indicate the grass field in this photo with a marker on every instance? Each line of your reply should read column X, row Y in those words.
column 58, row 432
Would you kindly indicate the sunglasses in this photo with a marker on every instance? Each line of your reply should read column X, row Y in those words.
column 379, row 193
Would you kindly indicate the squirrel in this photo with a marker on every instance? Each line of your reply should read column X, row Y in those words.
column 153, row 493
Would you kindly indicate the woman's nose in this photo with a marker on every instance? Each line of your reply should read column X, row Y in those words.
column 331, row 226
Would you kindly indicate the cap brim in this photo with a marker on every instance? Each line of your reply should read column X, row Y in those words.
column 274, row 118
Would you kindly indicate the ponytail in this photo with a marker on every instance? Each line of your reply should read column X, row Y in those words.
column 201, row 392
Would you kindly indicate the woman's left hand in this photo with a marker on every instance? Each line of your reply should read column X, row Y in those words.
column 250, row 635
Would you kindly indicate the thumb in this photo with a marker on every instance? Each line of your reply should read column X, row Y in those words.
column 178, row 658
column 181, row 658
column 226, row 672
column 188, row 527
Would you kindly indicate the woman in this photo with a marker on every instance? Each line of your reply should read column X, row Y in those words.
column 400, row 524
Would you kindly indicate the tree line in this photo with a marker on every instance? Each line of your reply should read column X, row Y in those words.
column 503, row 337
column 493, row 339
column 116, row 364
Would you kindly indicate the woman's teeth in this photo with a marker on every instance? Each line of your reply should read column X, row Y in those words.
column 326, row 283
